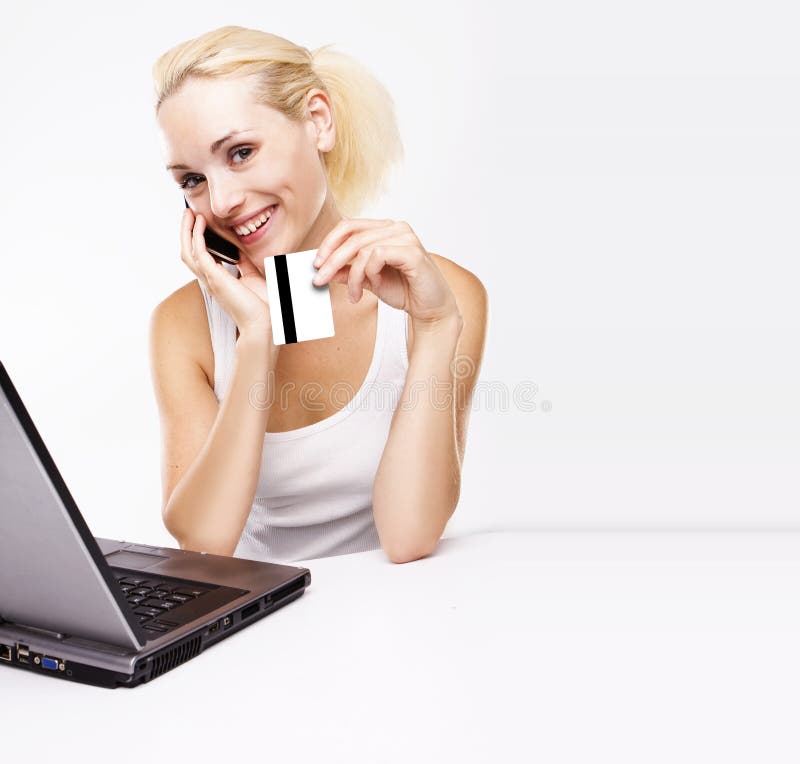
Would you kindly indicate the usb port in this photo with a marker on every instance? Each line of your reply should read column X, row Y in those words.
column 5, row 653
column 22, row 653
column 214, row 627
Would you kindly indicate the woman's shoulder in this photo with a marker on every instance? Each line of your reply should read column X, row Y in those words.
column 470, row 295
column 469, row 291
column 459, row 279
column 179, row 325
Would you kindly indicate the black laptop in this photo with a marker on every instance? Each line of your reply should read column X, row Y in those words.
column 105, row 612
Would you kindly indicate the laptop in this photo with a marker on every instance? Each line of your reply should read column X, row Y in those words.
column 105, row 612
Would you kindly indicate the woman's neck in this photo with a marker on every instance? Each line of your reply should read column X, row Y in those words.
column 328, row 217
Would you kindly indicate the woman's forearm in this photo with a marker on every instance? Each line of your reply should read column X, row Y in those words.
column 208, row 508
column 418, row 481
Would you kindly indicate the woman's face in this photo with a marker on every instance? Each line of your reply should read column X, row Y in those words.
column 267, row 161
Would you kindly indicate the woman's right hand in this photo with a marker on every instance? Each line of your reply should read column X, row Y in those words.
column 245, row 299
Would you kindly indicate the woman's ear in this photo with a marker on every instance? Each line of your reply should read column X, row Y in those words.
column 320, row 113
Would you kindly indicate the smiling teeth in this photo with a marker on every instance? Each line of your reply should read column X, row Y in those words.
column 253, row 225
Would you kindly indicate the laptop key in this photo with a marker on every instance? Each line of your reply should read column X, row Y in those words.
column 179, row 598
column 155, row 628
column 153, row 603
column 150, row 612
column 143, row 618
column 132, row 581
column 191, row 592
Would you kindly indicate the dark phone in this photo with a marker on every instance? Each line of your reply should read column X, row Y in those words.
column 219, row 248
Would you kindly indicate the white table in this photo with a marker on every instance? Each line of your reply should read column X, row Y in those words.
column 527, row 646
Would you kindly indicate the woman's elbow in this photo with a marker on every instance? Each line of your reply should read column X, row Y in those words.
column 193, row 543
column 409, row 550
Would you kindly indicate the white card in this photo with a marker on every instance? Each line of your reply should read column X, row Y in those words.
column 299, row 309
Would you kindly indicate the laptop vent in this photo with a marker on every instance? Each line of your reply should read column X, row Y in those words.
column 174, row 656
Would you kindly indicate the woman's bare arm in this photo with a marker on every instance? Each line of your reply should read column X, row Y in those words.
column 211, row 452
column 418, row 482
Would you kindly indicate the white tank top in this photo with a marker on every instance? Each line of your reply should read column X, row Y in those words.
column 314, row 492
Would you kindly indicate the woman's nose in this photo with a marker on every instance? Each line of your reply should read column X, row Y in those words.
column 224, row 200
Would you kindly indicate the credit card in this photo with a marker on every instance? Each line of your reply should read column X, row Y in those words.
column 300, row 310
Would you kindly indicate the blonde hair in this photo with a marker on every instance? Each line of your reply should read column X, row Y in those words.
column 367, row 140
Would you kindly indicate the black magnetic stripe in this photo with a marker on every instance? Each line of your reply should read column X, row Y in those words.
column 285, row 293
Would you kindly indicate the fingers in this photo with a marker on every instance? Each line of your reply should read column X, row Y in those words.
column 188, row 224
column 186, row 241
column 350, row 248
column 194, row 253
column 199, row 251
column 371, row 262
column 247, row 304
column 341, row 231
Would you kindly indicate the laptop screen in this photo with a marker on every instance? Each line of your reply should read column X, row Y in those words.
column 52, row 573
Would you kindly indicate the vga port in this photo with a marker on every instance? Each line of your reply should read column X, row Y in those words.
column 51, row 664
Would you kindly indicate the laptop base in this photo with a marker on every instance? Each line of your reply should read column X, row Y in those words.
column 33, row 650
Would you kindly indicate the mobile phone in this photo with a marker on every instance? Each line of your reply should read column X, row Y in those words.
column 219, row 248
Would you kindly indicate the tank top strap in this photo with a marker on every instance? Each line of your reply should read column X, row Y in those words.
column 394, row 360
column 223, row 338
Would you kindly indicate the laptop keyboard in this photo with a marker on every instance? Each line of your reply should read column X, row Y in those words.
column 155, row 601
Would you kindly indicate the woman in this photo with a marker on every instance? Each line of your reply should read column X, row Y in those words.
column 260, row 132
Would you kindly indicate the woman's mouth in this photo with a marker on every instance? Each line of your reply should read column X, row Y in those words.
column 257, row 227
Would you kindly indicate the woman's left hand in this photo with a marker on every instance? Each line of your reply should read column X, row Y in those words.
column 386, row 257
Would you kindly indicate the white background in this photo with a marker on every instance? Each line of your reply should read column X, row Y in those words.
column 577, row 648
column 621, row 176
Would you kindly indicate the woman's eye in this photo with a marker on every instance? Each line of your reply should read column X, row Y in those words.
column 187, row 184
column 239, row 150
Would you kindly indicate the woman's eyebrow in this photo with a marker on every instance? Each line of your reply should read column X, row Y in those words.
column 214, row 147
